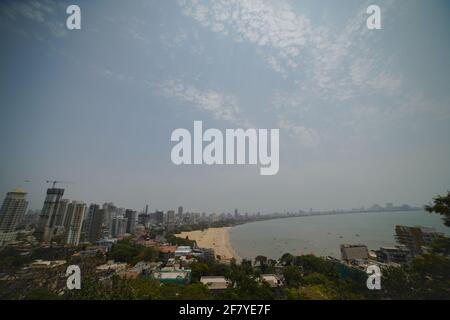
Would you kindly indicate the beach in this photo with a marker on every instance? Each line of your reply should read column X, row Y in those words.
column 213, row 238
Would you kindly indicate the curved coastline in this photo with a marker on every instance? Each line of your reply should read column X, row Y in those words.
column 214, row 238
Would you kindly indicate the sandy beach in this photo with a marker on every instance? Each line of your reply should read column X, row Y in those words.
column 214, row 238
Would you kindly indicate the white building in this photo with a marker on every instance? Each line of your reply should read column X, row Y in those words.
column 183, row 251
column 215, row 282
column 74, row 221
column 12, row 210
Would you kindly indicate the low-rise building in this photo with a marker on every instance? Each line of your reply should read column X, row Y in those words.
column 205, row 253
column 350, row 252
column 107, row 243
column 112, row 266
column 183, row 251
column 172, row 275
column 272, row 279
column 167, row 251
column 397, row 254
column 215, row 282
column 7, row 237
column 416, row 238
column 46, row 264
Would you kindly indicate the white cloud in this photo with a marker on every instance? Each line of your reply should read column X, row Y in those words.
column 220, row 105
column 304, row 136
column 259, row 22
column 294, row 45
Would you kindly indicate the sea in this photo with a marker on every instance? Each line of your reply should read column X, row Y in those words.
column 322, row 235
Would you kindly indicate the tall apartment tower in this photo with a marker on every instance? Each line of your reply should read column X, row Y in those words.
column 49, row 213
column 159, row 217
column 12, row 210
column 95, row 228
column 119, row 226
column 62, row 211
column 131, row 224
column 73, row 222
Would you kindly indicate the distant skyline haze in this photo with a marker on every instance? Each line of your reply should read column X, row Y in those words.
column 363, row 115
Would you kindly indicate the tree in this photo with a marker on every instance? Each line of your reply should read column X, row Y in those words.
column 292, row 276
column 11, row 260
column 262, row 260
column 315, row 278
column 91, row 289
column 310, row 263
column 42, row 294
column 287, row 259
column 195, row 291
column 146, row 289
column 198, row 270
column 148, row 255
column 441, row 206
column 317, row 292
column 123, row 251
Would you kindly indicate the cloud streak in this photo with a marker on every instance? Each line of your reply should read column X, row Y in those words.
column 39, row 12
column 220, row 105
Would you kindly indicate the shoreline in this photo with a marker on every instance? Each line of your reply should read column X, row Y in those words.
column 213, row 238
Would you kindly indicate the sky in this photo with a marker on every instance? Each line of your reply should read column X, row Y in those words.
column 363, row 114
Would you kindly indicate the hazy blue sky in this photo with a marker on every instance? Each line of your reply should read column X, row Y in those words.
column 363, row 115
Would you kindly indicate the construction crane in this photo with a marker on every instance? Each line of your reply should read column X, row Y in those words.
column 54, row 182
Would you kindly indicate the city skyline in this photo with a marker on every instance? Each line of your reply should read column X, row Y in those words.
column 147, row 208
column 363, row 114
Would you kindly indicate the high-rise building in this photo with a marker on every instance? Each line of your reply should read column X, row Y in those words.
column 144, row 219
column 73, row 222
column 170, row 216
column 131, row 224
column 30, row 218
column 96, row 225
column 119, row 226
column 47, row 219
column 110, row 213
column 180, row 212
column 61, row 213
column 12, row 210
column 88, row 222
column 159, row 217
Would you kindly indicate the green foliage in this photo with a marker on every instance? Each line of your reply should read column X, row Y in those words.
column 146, row 289
column 311, row 263
column 148, row 254
column 317, row 292
column 179, row 241
column 11, row 260
column 127, row 251
column 52, row 253
column 42, row 294
column 427, row 278
column 292, row 276
column 441, row 205
column 315, row 278
column 123, row 253
column 287, row 259
column 199, row 269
